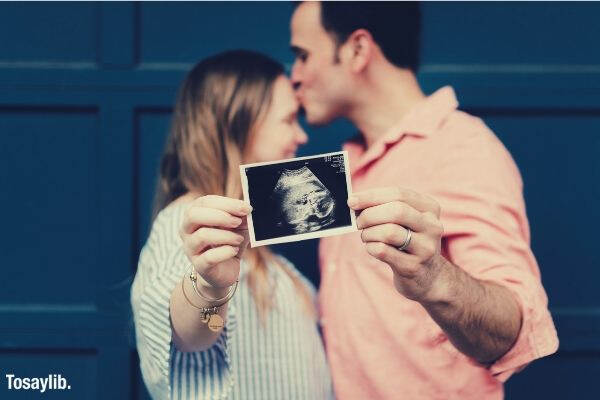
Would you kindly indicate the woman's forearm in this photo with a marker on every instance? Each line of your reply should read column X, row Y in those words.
column 190, row 333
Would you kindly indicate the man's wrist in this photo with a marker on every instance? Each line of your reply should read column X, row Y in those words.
column 442, row 286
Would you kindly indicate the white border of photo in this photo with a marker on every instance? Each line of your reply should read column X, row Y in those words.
column 300, row 236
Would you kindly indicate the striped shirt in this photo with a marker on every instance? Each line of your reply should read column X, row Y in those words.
column 280, row 359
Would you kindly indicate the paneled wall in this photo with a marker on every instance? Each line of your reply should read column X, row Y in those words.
column 86, row 91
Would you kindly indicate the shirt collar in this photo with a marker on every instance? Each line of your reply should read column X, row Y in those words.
column 421, row 121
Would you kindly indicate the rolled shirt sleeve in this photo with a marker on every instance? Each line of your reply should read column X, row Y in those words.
column 486, row 233
column 161, row 267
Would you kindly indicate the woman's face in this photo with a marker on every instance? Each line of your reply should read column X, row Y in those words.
column 278, row 134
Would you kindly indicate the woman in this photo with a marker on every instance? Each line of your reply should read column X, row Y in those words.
column 215, row 319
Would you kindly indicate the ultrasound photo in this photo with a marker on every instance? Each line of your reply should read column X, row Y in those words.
column 298, row 199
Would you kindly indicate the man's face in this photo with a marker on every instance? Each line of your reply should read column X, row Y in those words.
column 321, row 83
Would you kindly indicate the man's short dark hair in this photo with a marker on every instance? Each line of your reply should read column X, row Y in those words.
column 395, row 26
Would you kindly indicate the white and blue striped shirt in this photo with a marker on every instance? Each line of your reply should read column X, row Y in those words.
column 280, row 359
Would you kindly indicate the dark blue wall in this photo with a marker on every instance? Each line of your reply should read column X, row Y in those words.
column 86, row 91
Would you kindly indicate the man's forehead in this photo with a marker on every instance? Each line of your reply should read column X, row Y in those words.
column 306, row 20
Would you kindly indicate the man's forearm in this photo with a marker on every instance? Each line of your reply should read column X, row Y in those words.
column 482, row 319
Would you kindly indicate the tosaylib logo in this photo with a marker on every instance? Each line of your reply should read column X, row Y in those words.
column 51, row 382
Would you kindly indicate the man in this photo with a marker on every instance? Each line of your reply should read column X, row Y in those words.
column 438, row 295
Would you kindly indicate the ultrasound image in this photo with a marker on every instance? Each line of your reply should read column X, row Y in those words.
column 306, row 204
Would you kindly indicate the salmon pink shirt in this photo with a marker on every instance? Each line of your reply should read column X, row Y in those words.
column 381, row 345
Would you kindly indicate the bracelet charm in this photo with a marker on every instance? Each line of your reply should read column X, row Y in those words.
column 210, row 315
column 215, row 322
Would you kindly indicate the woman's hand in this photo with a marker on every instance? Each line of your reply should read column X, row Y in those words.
column 215, row 235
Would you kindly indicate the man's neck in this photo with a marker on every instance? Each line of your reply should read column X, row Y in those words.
column 385, row 99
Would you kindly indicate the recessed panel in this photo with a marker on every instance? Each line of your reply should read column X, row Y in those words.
column 206, row 28
column 511, row 33
column 48, row 175
column 557, row 154
column 554, row 378
column 40, row 31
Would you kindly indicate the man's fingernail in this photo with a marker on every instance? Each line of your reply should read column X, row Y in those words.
column 352, row 201
column 247, row 208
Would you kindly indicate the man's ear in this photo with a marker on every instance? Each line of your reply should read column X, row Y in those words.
column 360, row 46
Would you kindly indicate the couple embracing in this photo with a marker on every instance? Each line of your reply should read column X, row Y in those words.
column 437, row 296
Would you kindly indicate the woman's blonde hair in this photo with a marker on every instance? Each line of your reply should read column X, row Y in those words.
column 219, row 103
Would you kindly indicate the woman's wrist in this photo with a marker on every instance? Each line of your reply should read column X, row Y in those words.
column 213, row 292
column 194, row 298
column 208, row 290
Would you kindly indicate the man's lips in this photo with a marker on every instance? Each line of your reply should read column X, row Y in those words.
column 300, row 95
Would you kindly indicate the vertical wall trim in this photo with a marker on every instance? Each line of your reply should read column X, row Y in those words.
column 117, row 32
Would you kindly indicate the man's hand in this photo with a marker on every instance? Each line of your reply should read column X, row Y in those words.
column 385, row 216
